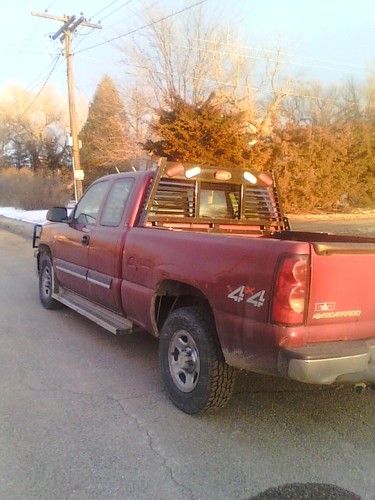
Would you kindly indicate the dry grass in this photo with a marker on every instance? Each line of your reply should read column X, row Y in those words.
column 21, row 188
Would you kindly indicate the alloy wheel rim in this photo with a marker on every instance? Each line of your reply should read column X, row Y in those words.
column 184, row 363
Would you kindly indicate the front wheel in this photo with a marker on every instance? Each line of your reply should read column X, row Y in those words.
column 192, row 365
column 47, row 283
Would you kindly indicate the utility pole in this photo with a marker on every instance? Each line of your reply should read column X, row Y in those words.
column 70, row 25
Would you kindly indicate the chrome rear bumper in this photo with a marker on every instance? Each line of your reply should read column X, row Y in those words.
column 331, row 362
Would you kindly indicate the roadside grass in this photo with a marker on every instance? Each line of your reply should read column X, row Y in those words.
column 21, row 188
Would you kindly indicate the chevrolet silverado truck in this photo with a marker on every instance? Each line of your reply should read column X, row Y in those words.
column 204, row 259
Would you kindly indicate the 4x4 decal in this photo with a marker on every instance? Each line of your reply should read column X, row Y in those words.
column 256, row 298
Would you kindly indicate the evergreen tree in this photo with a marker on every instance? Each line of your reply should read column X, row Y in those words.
column 105, row 136
column 325, row 162
column 206, row 133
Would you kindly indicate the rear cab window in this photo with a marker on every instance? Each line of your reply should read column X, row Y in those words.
column 219, row 201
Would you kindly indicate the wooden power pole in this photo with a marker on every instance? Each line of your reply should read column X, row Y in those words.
column 70, row 25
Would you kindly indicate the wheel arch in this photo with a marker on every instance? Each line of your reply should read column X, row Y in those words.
column 43, row 249
column 171, row 295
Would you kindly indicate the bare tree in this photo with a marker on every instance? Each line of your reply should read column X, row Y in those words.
column 33, row 127
column 189, row 57
column 198, row 60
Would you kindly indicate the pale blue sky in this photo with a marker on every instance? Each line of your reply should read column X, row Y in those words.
column 329, row 40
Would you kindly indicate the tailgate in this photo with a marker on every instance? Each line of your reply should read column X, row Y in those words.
column 342, row 291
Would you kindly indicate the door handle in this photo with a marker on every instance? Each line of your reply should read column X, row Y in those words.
column 85, row 240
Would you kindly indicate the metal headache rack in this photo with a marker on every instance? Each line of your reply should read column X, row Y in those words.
column 174, row 198
column 207, row 203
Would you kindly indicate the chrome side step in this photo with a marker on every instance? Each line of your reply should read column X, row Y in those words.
column 114, row 323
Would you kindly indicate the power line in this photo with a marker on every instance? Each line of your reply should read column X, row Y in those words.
column 105, row 17
column 260, row 89
column 36, row 80
column 29, row 52
column 258, row 56
column 164, row 18
column 34, row 83
column 29, row 37
column 116, row 10
column 42, row 87
column 288, row 93
column 118, row 20
column 102, row 19
column 327, row 63
column 50, row 5
column 104, row 8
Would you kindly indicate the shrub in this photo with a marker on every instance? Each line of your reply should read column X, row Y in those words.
column 21, row 188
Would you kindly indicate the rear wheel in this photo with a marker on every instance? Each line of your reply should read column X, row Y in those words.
column 47, row 283
column 192, row 365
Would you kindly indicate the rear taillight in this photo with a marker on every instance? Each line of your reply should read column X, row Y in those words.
column 291, row 290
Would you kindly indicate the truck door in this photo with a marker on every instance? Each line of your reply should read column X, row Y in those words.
column 106, row 247
column 72, row 244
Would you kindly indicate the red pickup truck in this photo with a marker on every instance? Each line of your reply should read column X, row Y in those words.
column 204, row 259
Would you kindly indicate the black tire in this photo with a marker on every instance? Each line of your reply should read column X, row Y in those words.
column 196, row 377
column 47, row 283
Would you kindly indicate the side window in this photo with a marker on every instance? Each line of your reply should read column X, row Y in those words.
column 88, row 207
column 116, row 202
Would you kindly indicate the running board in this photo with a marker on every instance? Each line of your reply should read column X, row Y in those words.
column 116, row 324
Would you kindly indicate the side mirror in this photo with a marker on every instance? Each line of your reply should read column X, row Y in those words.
column 57, row 214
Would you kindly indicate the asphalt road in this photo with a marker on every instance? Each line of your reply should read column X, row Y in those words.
column 83, row 416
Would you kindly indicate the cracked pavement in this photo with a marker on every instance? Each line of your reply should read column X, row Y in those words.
column 83, row 416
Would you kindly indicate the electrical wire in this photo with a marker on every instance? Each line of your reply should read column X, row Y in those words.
column 50, row 5
column 164, row 18
column 116, row 10
column 35, row 82
column 258, row 56
column 104, row 8
column 326, row 63
column 102, row 19
column 105, row 17
column 29, row 52
column 30, row 36
column 262, row 91
column 57, row 59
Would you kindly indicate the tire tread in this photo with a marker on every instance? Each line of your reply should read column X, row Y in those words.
column 51, row 304
column 221, row 375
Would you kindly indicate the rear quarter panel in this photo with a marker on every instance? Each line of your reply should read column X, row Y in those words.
column 217, row 265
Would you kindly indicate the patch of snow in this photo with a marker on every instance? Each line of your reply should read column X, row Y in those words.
column 32, row 216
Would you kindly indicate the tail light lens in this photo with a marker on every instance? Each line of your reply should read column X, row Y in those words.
column 291, row 290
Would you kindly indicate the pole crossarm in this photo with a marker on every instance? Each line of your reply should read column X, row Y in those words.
column 50, row 16
column 85, row 22
column 88, row 24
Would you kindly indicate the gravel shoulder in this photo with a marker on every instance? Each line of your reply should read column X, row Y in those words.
column 24, row 229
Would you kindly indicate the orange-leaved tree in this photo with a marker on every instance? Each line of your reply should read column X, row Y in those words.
column 210, row 132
